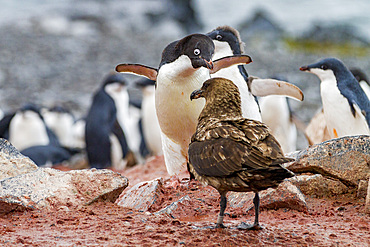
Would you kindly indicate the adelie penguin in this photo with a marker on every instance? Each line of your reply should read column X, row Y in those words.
column 346, row 106
column 26, row 128
column 184, row 66
column 60, row 120
column 150, row 125
column 106, row 144
column 227, row 42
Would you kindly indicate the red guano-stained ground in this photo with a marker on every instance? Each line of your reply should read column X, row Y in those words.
column 328, row 222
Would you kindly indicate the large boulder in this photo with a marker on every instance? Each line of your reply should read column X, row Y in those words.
column 319, row 186
column 12, row 162
column 286, row 195
column 344, row 159
column 144, row 196
column 47, row 188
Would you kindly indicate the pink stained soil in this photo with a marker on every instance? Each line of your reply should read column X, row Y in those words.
column 329, row 221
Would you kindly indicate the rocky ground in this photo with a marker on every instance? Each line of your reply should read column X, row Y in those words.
column 336, row 221
column 85, row 208
column 61, row 57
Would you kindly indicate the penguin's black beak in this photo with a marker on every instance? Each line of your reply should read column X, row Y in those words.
column 304, row 68
column 196, row 94
column 202, row 62
column 209, row 64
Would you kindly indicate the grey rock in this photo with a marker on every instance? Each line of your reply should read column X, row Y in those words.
column 362, row 189
column 47, row 188
column 338, row 33
column 172, row 207
column 286, row 195
column 344, row 159
column 12, row 162
column 319, row 186
column 142, row 195
column 261, row 24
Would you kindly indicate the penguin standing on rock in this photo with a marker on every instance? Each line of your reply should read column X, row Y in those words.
column 106, row 144
column 184, row 66
column 346, row 106
column 227, row 42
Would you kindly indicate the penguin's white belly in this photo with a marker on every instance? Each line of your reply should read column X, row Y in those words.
column 275, row 113
column 250, row 107
column 61, row 124
column 27, row 130
column 339, row 118
column 78, row 134
column 118, row 162
column 151, row 130
column 177, row 114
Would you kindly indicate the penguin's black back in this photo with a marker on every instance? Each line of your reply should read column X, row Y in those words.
column 99, row 125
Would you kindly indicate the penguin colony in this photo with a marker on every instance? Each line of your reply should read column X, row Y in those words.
column 201, row 110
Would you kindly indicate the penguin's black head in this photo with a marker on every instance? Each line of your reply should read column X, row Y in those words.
column 229, row 35
column 30, row 107
column 333, row 64
column 59, row 109
column 114, row 78
column 199, row 48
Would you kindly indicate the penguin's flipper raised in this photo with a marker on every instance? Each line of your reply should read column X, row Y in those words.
column 263, row 87
column 138, row 69
column 229, row 61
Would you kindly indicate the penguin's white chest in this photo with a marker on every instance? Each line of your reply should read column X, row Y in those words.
column 250, row 107
column 151, row 128
column 27, row 130
column 177, row 114
column 339, row 118
column 275, row 113
column 61, row 124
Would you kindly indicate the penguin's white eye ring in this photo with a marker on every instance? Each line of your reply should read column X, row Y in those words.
column 196, row 52
column 219, row 37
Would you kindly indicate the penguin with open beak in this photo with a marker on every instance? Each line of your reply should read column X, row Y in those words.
column 184, row 66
